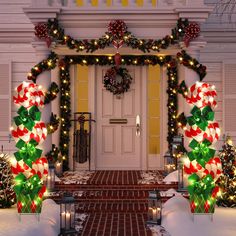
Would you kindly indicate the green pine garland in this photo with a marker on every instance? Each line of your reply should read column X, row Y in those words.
column 56, row 33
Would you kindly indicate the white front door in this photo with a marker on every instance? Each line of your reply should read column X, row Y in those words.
column 118, row 146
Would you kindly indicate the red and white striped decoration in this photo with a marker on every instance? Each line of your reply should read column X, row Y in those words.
column 38, row 133
column 212, row 132
column 28, row 95
column 39, row 167
column 201, row 95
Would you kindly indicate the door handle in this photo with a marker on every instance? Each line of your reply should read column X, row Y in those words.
column 138, row 126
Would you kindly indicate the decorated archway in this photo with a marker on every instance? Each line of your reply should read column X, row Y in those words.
column 118, row 35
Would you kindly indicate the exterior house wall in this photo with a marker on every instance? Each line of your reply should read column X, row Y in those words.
column 16, row 37
column 220, row 34
column 16, row 33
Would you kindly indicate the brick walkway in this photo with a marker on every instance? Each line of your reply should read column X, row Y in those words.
column 116, row 224
column 115, row 203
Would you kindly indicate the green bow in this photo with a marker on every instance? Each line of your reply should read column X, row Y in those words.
column 27, row 117
column 202, row 186
column 201, row 151
column 26, row 186
column 201, row 117
column 28, row 153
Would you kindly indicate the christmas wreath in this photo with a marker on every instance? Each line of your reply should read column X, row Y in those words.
column 117, row 80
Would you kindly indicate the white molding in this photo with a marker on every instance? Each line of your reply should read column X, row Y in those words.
column 37, row 15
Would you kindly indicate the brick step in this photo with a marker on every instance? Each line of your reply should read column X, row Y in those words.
column 84, row 187
column 113, row 224
column 112, row 206
column 115, row 194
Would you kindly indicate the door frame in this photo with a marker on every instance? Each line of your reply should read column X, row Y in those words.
column 148, row 161
column 143, row 116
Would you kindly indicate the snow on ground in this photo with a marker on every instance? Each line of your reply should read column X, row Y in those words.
column 29, row 225
column 172, row 177
column 150, row 177
column 80, row 218
column 76, row 177
column 158, row 230
column 48, row 225
column 178, row 220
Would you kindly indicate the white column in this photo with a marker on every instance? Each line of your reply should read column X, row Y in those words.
column 190, row 76
column 44, row 79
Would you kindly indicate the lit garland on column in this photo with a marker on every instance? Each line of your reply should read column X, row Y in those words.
column 172, row 103
column 192, row 64
column 51, row 94
column 202, row 166
column 47, row 64
column 53, row 125
column 30, row 169
column 65, row 113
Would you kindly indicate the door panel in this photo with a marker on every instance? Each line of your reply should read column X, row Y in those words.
column 118, row 147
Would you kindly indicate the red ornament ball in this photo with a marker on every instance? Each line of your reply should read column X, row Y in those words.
column 191, row 32
column 117, row 28
column 41, row 30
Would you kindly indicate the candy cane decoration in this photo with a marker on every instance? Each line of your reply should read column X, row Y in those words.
column 29, row 169
column 202, row 166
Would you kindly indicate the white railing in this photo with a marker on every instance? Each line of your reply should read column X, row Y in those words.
column 114, row 4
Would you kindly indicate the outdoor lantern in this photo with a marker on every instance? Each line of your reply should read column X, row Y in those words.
column 154, row 207
column 182, row 177
column 177, row 146
column 58, row 168
column 169, row 163
column 67, row 215
column 50, row 182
